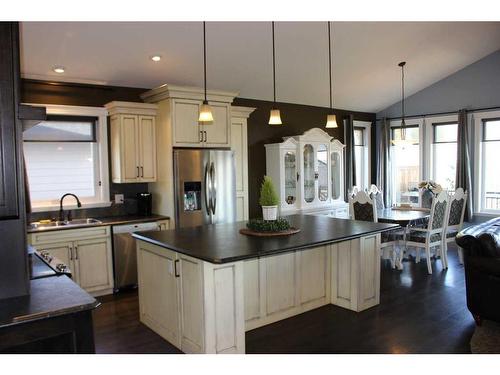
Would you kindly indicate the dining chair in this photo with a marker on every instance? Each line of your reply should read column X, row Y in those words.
column 354, row 190
column 363, row 208
column 377, row 195
column 455, row 222
column 430, row 237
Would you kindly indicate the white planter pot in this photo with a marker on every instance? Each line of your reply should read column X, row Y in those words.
column 269, row 213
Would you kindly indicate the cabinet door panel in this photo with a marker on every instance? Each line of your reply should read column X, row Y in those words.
column 313, row 270
column 94, row 264
column 186, row 127
column 147, row 148
column 159, row 300
column 280, row 283
column 191, row 297
column 130, row 148
column 217, row 133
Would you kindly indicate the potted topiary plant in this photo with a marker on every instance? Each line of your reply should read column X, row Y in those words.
column 268, row 199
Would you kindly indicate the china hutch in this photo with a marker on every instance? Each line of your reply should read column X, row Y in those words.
column 308, row 171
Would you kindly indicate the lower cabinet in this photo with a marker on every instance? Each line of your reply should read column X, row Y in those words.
column 280, row 286
column 195, row 305
column 87, row 252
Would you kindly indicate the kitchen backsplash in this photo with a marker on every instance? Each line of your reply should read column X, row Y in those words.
column 129, row 206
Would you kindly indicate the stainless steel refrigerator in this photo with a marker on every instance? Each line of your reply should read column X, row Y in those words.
column 205, row 187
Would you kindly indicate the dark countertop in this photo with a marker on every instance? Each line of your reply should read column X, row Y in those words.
column 110, row 220
column 51, row 296
column 222, row 243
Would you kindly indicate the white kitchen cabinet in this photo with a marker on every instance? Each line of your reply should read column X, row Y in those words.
column 188, row 132
column 239, row 144
column 307, row 171
column 86, row 251
column 133, row 141
column 185, row 314
column 279, row 286
column 159, row 291
column 93, row 260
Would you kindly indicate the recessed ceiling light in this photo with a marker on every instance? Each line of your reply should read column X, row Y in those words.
column 156, row 58
column 58, row 69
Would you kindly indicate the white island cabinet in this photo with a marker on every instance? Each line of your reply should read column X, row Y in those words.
column 205, row 301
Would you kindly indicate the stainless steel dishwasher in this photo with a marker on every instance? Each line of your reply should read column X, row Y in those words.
column 125, row 253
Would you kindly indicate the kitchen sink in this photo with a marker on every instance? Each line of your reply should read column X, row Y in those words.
column 56, row 224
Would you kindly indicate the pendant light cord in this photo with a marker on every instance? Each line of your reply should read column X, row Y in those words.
column 403, row 92
column 274, row 68
column 205, row 60
column 330, row 65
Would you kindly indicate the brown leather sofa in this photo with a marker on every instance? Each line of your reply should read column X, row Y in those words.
column 481, row 246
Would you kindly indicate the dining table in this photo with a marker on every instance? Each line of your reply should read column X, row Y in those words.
column 405, row 218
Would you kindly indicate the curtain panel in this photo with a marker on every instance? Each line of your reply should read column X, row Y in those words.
column 463, row 174
column 383, row 178
column 350, row 166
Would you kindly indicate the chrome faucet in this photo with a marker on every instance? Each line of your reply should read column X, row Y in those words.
column 61, row 211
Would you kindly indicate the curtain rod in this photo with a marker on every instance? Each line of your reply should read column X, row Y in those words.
column 441, row 113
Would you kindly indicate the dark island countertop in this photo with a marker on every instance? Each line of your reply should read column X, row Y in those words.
column 109, row 220
column 49, row 297
column 222, row 243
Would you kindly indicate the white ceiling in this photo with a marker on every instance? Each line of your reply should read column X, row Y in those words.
column 366, row 76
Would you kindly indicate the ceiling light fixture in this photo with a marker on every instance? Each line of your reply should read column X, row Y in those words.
column 59, row 69
column 205, row 116
column 331, row 119
column 156, row 58
column 402, row 141
column 274, row 116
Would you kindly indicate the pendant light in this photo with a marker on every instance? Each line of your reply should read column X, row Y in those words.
column 402, row 141
column 331, row 119
column 274, row 116
column 205, row 116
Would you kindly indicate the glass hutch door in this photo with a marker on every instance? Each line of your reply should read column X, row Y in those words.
column 309, row 174
column 290, row 177
column 336, row 175
column 322, row 176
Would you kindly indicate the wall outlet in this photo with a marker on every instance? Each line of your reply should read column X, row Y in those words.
column 119, row 198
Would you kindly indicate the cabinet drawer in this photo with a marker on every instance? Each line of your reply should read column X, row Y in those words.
column 65, row 235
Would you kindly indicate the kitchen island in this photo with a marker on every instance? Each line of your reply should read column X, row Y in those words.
column 201, row 288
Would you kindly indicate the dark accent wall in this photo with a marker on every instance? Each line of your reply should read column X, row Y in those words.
column 296, row 119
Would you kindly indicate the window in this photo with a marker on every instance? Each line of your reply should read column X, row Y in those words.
column 490, row 184
column 405, row 165
column 67, row 153
column 444, row 154
column 361, row 153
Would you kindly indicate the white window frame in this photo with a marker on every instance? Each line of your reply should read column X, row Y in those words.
column 477, row 119
column 366, row 163
column 102, row 191
column 429, row 139
column 420, row 122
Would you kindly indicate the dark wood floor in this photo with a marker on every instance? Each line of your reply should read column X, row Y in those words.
column 418, row 313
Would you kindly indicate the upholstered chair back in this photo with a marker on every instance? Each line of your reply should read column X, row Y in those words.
column 438, row 211
column 362, row 207
column 457, row 207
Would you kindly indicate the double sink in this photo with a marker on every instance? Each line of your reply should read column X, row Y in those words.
column 54, row 224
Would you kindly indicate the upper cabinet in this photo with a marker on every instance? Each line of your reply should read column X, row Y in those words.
column 133, row 141
column 307, row 171
column 180, row 109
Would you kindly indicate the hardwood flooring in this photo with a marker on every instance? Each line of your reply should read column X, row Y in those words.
column 418, row 313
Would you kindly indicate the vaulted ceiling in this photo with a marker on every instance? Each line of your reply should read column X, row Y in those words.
column 365, row 56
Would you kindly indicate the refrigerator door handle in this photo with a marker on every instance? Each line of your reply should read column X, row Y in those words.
column 214, row 187
column 208, row 189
